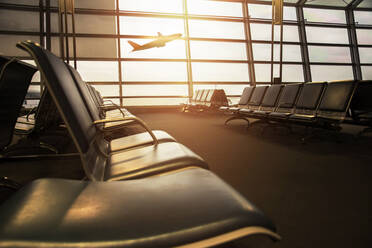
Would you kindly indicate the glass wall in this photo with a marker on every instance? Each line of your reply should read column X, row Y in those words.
column 214, row 50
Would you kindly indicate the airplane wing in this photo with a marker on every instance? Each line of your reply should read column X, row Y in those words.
column 134, row 44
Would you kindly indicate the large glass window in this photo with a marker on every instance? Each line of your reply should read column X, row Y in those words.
column 365, row 54
column 367, row 72
column 206, row 7
column 154, row 71
column 262, row 11
column 151, row 26
column 364, row 36
column 363, row 17
column 262, row 52
column 326, row 35
column 168, row 6
column 331, row 72
column 324, row 15
column 329, row 54
column 220, row 72
column 216, row 29
column 261, row 31
column 218, row 50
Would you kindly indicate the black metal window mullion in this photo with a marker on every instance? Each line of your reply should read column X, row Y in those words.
column 303, row 41
column 351, row 31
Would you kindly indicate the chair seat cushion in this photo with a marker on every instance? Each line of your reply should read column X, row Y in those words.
column 279, row 115
column 299, row 117
column 224, row 108
column 234, row 109
column 151, row 160
column 261, row 112
column 139, row 139
column 165, row 211
column 245, row 111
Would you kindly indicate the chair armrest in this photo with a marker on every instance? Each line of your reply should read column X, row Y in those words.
column 130, row 118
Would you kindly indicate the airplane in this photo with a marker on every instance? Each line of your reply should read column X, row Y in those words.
column 159, row 42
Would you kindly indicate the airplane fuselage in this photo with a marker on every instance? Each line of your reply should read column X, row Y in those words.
column 159, row 42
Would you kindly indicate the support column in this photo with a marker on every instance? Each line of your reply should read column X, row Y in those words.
column 248, row 44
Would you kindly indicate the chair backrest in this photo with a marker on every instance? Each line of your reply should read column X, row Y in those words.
column 246, row 95
column 201, row 93
column 208, row 99
column 310, row 96
column 336, row 99
column 3, row 61
column 195, row 96
column 272, row 94
column 15, row 78
column 65, row 92
column 204, row 96
column 361, row 104
column 289, row 95
column 257, row 95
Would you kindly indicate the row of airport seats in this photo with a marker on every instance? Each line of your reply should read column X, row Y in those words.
column 323, row 105
column 206, row 100
column 143, row 190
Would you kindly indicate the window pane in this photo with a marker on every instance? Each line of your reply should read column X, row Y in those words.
column 230, row 89
column 365, row 54
column 291, row 73
column 329, row 54
column 263, row 32
column 106, row 71
column 88, row 24
column 153, row 101
column 154, row 71
column 324, row 15
column 16, row 20
column 220, row 72
column 327, row 35
column 8, row 44
column 23, row 2
column 150, row 26
column 363, row 17
column 175, row 49
column 203, row 7
column 90, row 4
column 155, row 90
column 263, row 11
column 108, row 90
column 170, row 6
column 330, row 2
column 218, row 50
column 331, row 72
column 364, row 36
column 89, row 47
column 263, row 52
column 216, row 29
column 367, row 72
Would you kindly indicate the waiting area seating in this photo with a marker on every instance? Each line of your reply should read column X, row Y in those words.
column 171, row 199
column 324, row 105
column 206, row 100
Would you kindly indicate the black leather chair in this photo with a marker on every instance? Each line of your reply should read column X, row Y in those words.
column 121, row 121
column 191, row 208
column 336, row 101
column 98, row 159
column 307, row 104
column 361, row 106
column 243, row 101
column 269, row 102
column 254, row 103
column 286, row 103
column 15, row 78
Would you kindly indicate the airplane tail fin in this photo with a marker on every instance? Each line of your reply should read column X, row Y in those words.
column 133, row 44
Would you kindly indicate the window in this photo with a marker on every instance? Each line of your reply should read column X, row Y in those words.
column 329, row 54
column 216, row 29
column 324, row 15
column 327, row 35
column 331, row 72
column 220, row 72
column 263, row 32
column 264, row 12
column 262, row 52
column 205, row 7
column 169, row 6
column 218, row 50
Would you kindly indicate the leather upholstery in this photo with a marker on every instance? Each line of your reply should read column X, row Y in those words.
column 271, row 96
column 15, row 77
column 337, row 96
column 310, row 95
column 139, row 139
column 246, row 95
column 167, row 211
column 288, row 97
column 257, row 95
column 137, row 163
